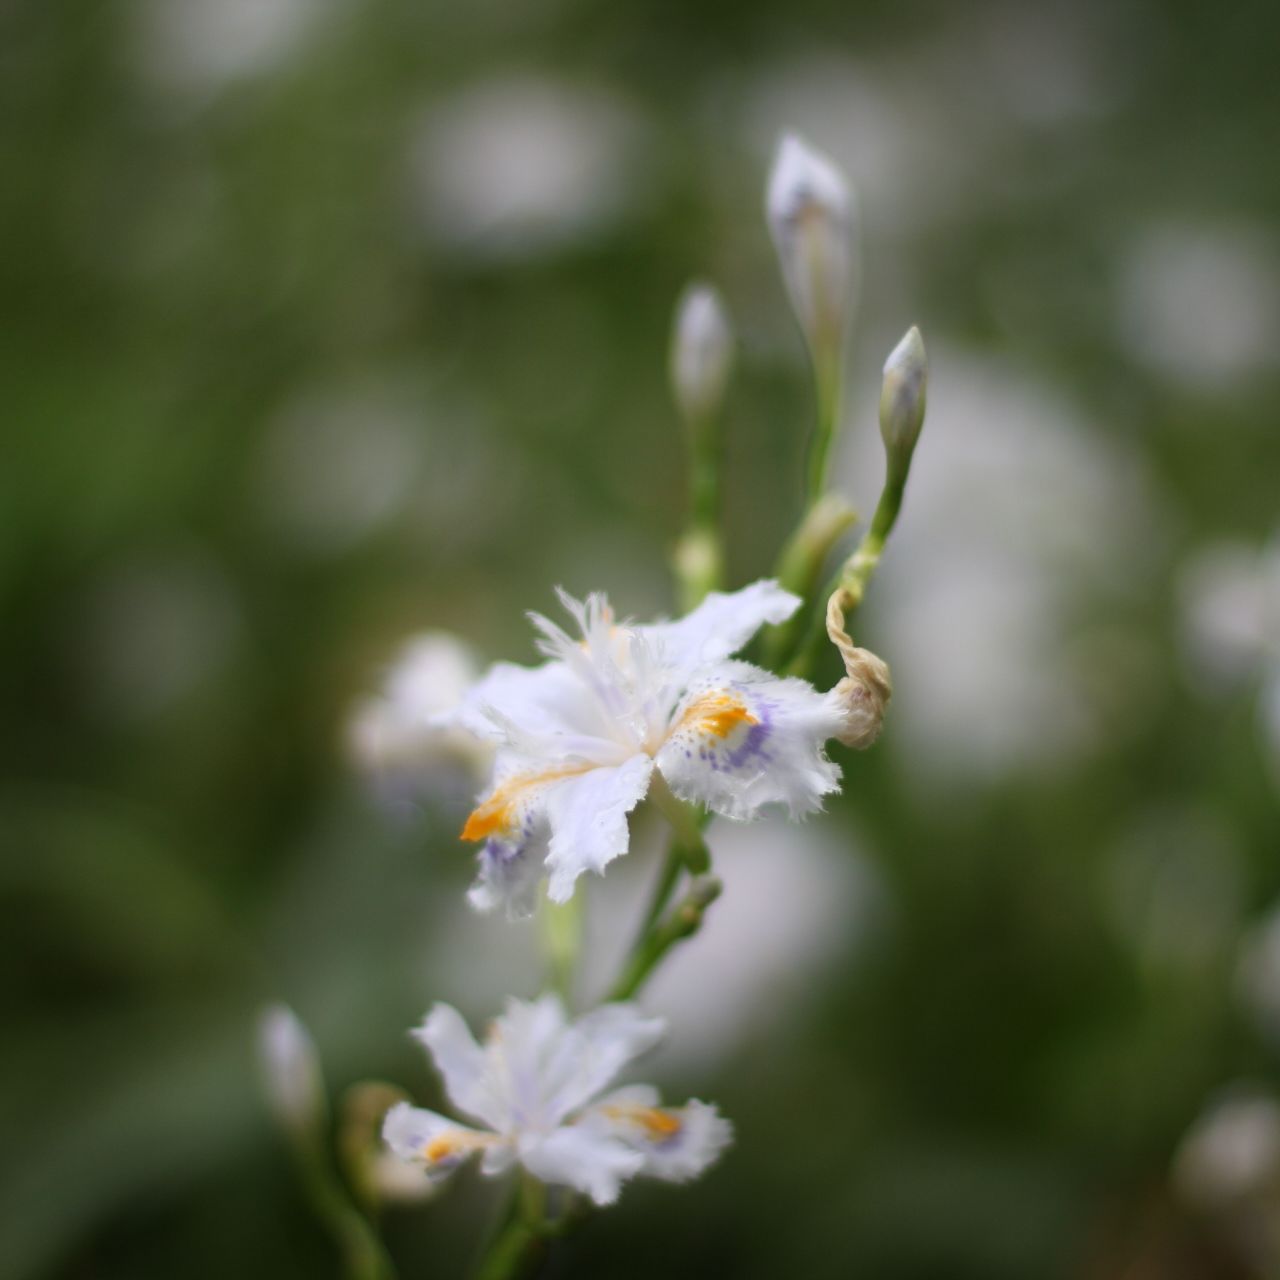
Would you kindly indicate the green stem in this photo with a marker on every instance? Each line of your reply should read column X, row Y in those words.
column 562, row 941
column 682, row 923
column 826, row 372
column 686, row 821
column 699, row 557
column 663, row 888
column 520, row 1248
column 363, row 1256
column 800, row 568
column 854, row 574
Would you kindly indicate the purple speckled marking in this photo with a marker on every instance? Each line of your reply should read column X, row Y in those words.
column 757, row 736
column 502, row 855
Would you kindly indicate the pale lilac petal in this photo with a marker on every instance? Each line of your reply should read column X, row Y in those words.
column 436, row 1143
column 593, row 1162
column 522, row 1041
column 678, row 1143
column 588, row 1058
column 587, row 815
column 463, row 1065
column 743, row 738
column 509, row 874
column 720, row 625
column 538, row 700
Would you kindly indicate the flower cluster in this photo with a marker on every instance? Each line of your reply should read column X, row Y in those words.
column 616, row 714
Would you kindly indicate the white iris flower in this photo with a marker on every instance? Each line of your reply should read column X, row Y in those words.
column 579, row 737
column 536, row 1084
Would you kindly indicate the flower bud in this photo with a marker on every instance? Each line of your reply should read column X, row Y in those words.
column 290, row 1069
column 810, row 210
column 902, row 397
column 701, row 353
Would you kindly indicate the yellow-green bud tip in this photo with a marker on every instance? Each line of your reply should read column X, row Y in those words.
column 902, row 397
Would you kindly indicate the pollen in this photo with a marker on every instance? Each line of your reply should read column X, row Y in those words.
column 717, row 714
column 441, row 1148
column 500, row 810
column 659, row 1125
column 493, row 815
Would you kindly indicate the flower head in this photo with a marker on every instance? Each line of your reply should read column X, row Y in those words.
column 535, row 1086
column 579, row 737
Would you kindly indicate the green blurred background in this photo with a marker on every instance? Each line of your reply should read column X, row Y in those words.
column 329, row 321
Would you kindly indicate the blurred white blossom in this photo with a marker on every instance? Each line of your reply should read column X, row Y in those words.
column 521, row 164
column 1228, row 1165
column 536, row 1084
column 1232, row 1152
column 397, row 735
column 195, row 46
column 337, row 465
column 1201, row 304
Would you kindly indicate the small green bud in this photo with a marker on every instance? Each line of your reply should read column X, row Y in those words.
column 290, row 1070
column 902, row 398
column 811, row 214
column 701, row 354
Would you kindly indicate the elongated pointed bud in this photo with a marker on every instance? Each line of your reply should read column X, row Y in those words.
column 701, row 354
column 902, row 398
column 811, row 214
column 290, row 1070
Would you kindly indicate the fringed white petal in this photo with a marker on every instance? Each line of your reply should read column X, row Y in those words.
column 678, row 1143
column 587, row 815
column 720, row 625
column 593, row 1162
column 592, row 1053
column 463, row 1065
column 743, row 738
column 436, row 1143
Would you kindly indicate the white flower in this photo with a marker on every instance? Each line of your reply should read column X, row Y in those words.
column 401, row 727
column 580, row 736
column 536, row 1084
column 810, row 210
